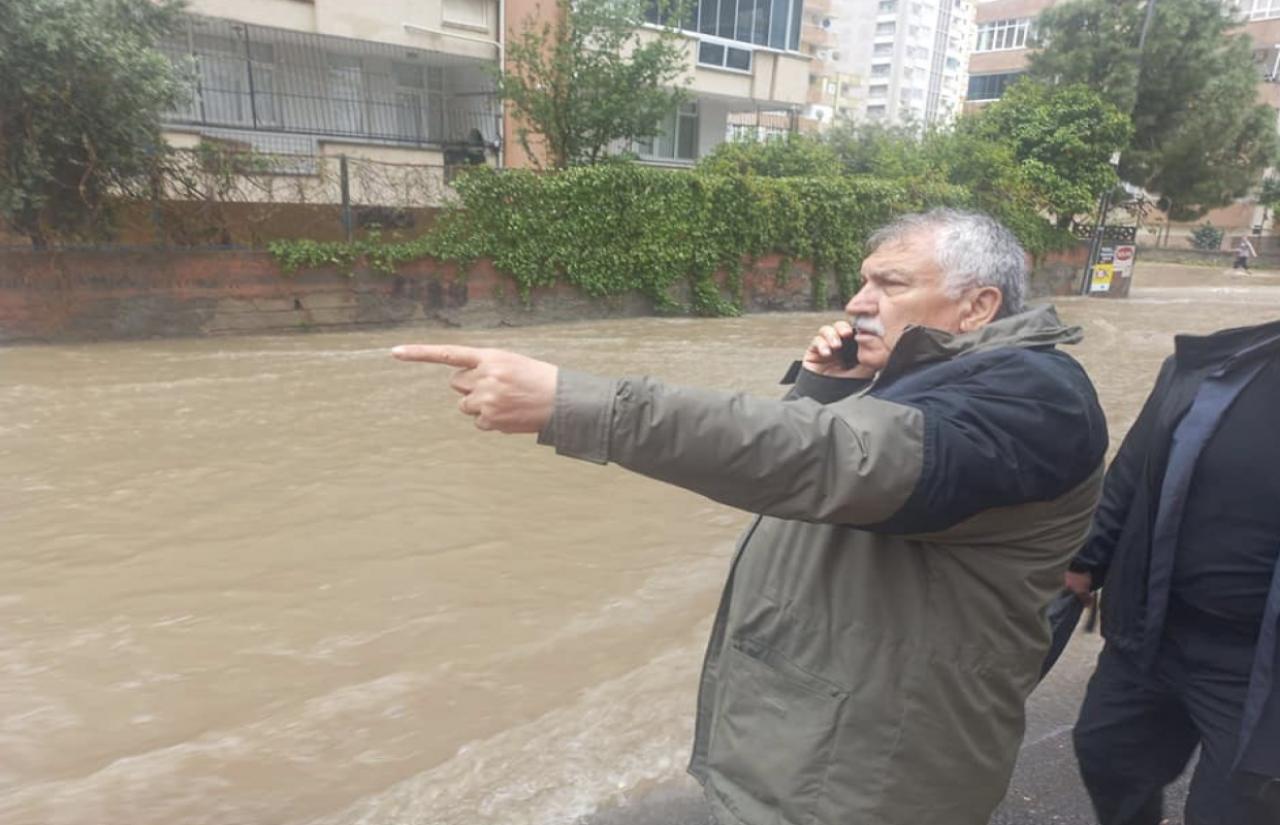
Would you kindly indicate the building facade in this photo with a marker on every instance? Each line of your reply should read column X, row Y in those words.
column 904, row 62
column 402, row 82
column 1004, row 33
column 745, row 73
column 412, row 82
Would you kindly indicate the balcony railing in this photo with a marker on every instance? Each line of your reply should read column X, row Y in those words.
column 262, row 79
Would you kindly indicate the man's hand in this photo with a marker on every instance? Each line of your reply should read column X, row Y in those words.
column 823, row 354
column 501, row 390
column 1080, row 584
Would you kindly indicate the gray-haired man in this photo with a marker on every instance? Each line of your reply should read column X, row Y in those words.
column 883, row 620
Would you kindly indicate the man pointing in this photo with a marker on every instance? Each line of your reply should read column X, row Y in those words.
column 883, row 620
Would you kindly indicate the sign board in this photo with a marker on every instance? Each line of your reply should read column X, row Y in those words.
column 1124, row 259
column 1100, row 281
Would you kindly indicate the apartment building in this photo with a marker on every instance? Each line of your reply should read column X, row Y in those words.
column 745, row 72
column 1005, row 30
column 396, row 81
column 907, row 58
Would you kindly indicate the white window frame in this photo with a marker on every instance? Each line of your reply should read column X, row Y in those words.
column 473, row 22
column 687, row 117
column 726, row 45
column 1009, row 34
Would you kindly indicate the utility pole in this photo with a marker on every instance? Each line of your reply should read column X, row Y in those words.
column 1104, row 202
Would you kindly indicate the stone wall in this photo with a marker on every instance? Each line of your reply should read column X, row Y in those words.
column 87, row 295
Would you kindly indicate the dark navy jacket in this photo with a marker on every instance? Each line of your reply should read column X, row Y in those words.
column 1132, row 546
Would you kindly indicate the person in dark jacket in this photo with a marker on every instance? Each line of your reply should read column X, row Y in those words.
column 884, row 617
column 1185, row 543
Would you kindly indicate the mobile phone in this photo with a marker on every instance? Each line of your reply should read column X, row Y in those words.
column 849, row 353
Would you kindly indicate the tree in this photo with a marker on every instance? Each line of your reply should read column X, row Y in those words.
column 84, row 89
column 1063, row 139
column 591, row 78
column 987, row 170
column 1200, row 137
column 788, row 156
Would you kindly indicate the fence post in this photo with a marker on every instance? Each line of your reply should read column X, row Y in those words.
column 344, row 181
column 248, row 62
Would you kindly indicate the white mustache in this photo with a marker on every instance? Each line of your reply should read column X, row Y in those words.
column 868, row 324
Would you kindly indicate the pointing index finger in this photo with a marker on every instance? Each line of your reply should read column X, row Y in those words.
column 453, row 356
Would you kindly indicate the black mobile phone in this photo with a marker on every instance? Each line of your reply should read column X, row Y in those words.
column 849, row 353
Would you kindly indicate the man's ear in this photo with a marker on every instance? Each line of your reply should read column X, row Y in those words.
column 981, row 308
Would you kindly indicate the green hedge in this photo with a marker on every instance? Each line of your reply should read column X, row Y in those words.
column 619, row 228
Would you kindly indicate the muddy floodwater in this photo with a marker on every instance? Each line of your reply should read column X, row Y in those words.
column 259, row 581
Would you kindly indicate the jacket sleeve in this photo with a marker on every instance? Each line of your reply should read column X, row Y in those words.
column 892, row 466
column 1123, row 477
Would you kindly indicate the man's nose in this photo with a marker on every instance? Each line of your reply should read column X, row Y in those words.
column 862, row 303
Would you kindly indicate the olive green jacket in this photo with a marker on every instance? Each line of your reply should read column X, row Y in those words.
column 883, row 620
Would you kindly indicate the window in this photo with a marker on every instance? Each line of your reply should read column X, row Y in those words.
column 883, row 29
column 880, row 70
column 878, row 91
column 882, row 49
column 999, row 35
column 875, row 111
column 772, row 23
column 471, row 14
column 990, row 86
column 346, row 95
column 1261, row 9
column 678, row 138
column 419, row 101
column 887, row 7
column 228, row 72
column 723, row 56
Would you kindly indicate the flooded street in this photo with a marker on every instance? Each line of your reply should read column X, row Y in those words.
column 268, row 581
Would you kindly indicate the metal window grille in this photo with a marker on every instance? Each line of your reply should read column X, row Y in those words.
column 259, row 79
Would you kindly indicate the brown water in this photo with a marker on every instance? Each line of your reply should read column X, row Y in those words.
column 280, row 580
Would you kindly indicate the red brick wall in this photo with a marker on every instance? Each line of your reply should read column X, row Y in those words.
column 120, row 294
column 98, row 295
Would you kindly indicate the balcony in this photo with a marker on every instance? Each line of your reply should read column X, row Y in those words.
column 267, row 87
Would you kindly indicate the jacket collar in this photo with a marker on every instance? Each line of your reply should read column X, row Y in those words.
column 1227, row 346
column 1037, row 327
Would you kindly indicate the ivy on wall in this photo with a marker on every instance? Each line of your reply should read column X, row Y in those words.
column 620, row 228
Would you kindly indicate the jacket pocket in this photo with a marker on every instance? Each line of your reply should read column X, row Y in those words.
column 773, row 736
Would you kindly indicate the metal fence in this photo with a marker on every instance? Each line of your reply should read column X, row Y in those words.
column 267, row 80
column 224, row 195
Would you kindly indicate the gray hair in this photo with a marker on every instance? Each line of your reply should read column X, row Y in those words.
column 971, row 248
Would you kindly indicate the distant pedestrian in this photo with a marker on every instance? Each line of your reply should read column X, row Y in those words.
column 1244, row 251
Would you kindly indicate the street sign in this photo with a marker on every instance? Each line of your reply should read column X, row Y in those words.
column 1102, row 276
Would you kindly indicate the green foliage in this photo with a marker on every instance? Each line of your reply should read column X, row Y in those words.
column 1269, row 196
column 792, row 156
column 988, row 170
column 1206, row 236
column 1200, row 137
column 614, row 229
column 84, row 87
column 892, row 152
column 588, row 77
column 1062, row 139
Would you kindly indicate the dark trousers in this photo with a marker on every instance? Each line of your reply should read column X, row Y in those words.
column 1138, row 730
column 1242, row 262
